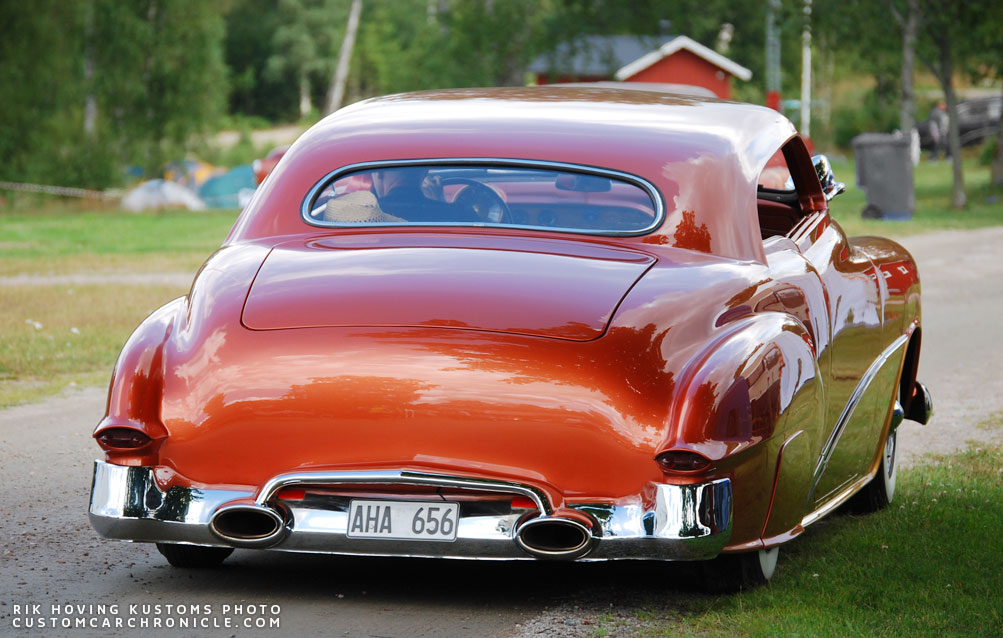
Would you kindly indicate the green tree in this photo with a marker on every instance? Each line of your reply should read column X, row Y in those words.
column 160, row 77
column 151, row 72
column 953, row 38
column 940, row 33
column 336, row 91
column 986, row 61
column 866, row 40
column 250, row 32
column 422, row 44
column 41, row 81
column 305, row 45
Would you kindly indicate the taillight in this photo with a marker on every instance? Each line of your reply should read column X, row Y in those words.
column 682, row 461
column 123, row 439
column 523, row 502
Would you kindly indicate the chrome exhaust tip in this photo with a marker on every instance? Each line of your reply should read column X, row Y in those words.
column 920, row 404
column 554, row 537
column 245, row 525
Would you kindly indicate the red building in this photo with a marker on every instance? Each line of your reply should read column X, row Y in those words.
column 680, row 60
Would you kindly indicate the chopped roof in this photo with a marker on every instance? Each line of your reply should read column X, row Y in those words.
column 545, row 121
column 703, row 155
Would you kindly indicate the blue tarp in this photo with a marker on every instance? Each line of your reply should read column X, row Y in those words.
column 232, row 189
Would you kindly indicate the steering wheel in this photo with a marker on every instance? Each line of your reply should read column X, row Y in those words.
column 481, row 200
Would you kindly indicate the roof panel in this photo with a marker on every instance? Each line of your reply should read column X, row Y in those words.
column 703, row 155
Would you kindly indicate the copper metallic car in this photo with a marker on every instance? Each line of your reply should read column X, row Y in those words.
column 539, row 323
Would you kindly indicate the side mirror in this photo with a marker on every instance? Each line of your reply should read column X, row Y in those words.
column 830, row 187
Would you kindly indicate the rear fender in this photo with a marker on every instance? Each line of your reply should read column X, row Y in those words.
column 746, row 385
column 137, row 383
column 752, row 391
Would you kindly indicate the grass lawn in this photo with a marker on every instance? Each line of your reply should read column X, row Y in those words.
column 56, row 336
column 932, row 182
column 63, row 239
column 929, row 565
column 60, row 334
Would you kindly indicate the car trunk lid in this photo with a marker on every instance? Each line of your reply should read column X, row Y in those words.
column 528, row 290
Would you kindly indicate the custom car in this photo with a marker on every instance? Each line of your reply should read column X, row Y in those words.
column 527, row 323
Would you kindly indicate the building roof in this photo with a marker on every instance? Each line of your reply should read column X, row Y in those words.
column 594, row 55
column 651, row 87
column 677, row 44
column 623, row 56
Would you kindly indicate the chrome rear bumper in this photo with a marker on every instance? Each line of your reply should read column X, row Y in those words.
column 686, row 522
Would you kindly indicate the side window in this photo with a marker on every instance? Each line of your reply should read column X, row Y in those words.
column 776, row 199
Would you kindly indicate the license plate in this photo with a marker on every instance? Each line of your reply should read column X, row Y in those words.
column 411, row 520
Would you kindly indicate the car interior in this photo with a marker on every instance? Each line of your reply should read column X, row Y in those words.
column 525, row 197
column 778, row 203
column 496, row 195
column 779, row 211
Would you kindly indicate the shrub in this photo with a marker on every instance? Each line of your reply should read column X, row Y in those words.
column 870, row 113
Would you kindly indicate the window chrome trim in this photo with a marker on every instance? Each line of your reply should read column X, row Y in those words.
column 648, row 187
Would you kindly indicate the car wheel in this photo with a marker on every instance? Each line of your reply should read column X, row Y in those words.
column 879, row 492
column 193, row 555
column 730, row 573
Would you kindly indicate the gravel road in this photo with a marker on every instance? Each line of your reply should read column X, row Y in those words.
column 961, row 360
column 49, row 555
column 179, row 279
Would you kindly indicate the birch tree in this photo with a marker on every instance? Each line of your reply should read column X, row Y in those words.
column 336, row 93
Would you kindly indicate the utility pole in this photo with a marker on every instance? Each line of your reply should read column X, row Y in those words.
column 806, row 71
column 772, row 56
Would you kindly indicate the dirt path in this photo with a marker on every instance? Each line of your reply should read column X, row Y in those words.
column 962, row 359
column 50, row 555
column 87, row 278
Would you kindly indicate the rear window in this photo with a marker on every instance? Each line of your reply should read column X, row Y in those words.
column 555, row 198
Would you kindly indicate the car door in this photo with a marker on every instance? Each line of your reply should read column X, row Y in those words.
column 845, row 316
column 854, row 303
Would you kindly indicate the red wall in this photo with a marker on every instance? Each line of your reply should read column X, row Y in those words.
column 683, row 67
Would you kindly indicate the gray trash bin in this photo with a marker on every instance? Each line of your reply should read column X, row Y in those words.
column 884, row 172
